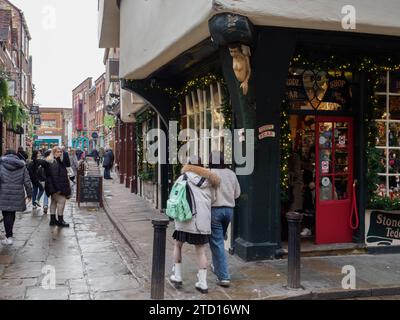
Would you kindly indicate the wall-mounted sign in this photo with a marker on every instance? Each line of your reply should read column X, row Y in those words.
column 34, row 110
column 383, row 228
column 267, row 134
column 266, row 128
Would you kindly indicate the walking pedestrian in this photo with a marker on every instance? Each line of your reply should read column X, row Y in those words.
column 79, row 153
column 96, row 157
column 57, row 186
column 22, row 155
column 47, row 155
column 34, row 171
column 74, row 164
column 221, row 215
column 15, row 190
column 101, row 154
column 108, row 163
column 197, row 231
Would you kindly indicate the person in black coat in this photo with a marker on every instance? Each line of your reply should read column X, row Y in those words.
column 57, row 185
column 22, row 154
column 108, row 163
column 36, row 178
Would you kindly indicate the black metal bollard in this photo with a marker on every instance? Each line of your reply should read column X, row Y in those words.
column 158, row 268
column 294, row 222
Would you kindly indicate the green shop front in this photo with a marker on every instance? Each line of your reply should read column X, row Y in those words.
column 325, row 110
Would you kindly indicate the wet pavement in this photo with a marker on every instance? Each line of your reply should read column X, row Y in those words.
column 90, row 259
column 321, row 277
column 107, row 254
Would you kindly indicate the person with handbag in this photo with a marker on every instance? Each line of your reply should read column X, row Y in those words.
column 196, row 231
column 15, row 190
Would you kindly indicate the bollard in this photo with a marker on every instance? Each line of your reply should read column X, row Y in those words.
column 158, row 268
column 294, row 222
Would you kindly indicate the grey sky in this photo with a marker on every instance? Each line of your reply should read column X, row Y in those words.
column 64, row 46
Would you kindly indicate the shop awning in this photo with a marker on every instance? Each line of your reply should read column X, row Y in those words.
column 155, row 32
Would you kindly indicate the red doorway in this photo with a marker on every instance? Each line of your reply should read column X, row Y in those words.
column 334, row 179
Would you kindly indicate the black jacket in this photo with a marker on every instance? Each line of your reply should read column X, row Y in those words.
column 33, row 169
column 108, row 160
column 56, row 177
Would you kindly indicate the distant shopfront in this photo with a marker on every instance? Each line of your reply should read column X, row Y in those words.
column 46, row 142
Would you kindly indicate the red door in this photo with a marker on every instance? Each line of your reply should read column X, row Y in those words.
column 334, row 179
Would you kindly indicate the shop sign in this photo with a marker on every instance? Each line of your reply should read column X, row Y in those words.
column 266, row 128
column 267, row 134
column 37, row 120
column 383, row 228
column 34, row 110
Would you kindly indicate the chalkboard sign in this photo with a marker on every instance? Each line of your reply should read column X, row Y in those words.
column 90, row 189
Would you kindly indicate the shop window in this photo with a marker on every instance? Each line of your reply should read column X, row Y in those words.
column 203, row 110
column 388, row 137
column 318, row 90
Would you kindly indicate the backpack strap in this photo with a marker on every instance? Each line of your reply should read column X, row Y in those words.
column 201, row 182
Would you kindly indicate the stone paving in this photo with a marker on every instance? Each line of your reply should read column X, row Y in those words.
column 90, row 258
column 321, row 277
column 108, row 254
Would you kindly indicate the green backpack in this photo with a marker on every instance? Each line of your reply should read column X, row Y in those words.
column 179, row 204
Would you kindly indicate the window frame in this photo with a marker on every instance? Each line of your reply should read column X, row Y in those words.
column 387, row 122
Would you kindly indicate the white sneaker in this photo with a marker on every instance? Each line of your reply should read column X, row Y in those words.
column 306, row 232
column 7, row 242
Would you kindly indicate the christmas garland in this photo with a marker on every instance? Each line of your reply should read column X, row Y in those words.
column 176, row 98
column 286, row 151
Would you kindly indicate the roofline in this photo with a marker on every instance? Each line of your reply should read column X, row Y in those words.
column 87, row 79
column 99, row 78
column 22, row 17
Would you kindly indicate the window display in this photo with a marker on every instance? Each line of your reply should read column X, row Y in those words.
column 388, row 137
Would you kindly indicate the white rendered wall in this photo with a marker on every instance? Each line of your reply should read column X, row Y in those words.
column 152, row 33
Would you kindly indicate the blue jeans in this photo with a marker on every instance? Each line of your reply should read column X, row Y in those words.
column 37, row 193
column 45, row 200
column 107, row 174
column 220, row 219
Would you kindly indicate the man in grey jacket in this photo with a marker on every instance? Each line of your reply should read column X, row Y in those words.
column 14, row 182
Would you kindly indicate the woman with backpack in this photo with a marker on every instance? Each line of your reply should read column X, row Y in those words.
column 15, row 190
column 36, row 173
column 196, row 231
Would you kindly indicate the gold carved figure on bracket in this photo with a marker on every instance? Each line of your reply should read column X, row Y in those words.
column 241, row 65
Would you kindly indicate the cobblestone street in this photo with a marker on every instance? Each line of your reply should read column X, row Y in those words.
column 91, row 261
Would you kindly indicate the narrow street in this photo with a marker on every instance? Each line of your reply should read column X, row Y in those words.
column 91, row 261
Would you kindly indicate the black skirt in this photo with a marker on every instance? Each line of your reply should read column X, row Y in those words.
column 191, row 238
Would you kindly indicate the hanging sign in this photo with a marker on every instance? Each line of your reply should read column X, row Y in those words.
column 34, row 110
column 37, row 120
